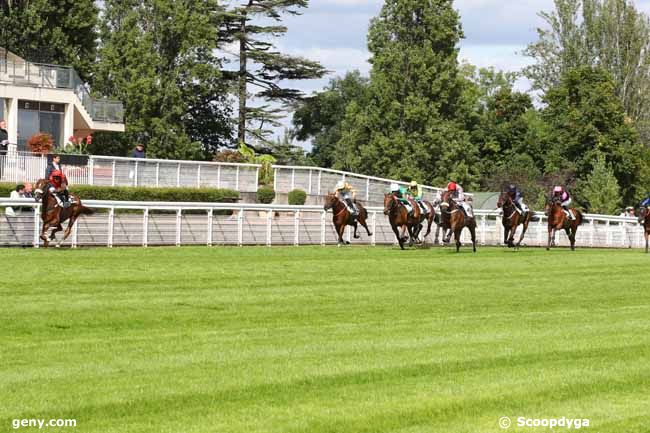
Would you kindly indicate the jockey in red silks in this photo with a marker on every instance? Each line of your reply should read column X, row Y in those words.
column 565, row 199
column 58, row 185
column 458, row 195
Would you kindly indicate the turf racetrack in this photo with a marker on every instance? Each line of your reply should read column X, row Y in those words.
column 324, row 339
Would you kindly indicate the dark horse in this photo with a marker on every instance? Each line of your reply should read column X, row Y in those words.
column 453, row 217
column 644, row 220
column 399, row 218
column 558, row 220
column 512, row 218
column 53, row 215
column 342, row 217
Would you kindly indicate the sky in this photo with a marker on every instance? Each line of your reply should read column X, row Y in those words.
column 334, row 33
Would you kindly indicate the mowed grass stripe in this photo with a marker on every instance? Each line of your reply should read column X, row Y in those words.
column 324, row 339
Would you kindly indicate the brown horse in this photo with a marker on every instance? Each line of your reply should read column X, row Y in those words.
column 452, row 216
column 342, row 217
column 400, row 219
column 54, row 215
column 644, row 220
column 558, row 220
column 512, row 219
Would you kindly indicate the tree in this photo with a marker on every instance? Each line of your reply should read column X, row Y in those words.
column 319, row 116
column 159, row 58
column 62, row 32
column 600, row 189
column 413, row 123
column 261, row 67
column 586, row 120
column 287, row 153
column 610, row 34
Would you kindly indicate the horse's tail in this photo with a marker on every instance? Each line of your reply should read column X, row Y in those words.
column 83, row 210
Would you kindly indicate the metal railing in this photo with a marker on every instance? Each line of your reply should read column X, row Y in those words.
column 61, row 77
column 157, row 223
column 320, row 181
column 116, row 171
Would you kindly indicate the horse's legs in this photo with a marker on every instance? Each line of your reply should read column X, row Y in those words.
column 57, row 229
column 506, row 232
column 571, row 234
column 523, row 232
column 356, row 236
column 647, row 238
column 457, row 237
column 44, row 237
column 68, row 229
column 362, row 221
column 551, row 234
column 397, row 235
column 472, row 231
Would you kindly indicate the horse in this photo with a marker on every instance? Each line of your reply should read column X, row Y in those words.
column 558, row 220
column 53, row 215
column 512, row 219
column 452, row 216
column 343, row 217
column 644, row 220
column 400, row 218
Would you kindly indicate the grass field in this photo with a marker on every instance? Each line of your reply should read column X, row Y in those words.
column 314, row 339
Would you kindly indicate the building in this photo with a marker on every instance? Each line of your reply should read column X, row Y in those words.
column 36, row 97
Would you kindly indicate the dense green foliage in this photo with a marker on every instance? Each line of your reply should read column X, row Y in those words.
column 297, row 197
column 600, row 189
column 61, row 32
column 265, row 195
column 257, row 339
column 127, row 193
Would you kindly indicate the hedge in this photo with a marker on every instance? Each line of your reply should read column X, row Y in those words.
column 297, row 197
column 126, row 193
column 265, row 195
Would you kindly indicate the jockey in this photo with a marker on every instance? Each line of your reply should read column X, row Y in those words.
column 517, row 198
column 458, row 195
column 415, row 192
column 58, row 185
column 645, row 202
column 563, row 195
column 402, row 194
column 347, row 194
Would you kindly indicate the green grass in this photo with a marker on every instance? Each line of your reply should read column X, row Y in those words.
column 314, row 339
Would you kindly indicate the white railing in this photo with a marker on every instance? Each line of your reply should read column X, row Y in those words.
column 116, row 171
column 320, row 181
column 158, row 223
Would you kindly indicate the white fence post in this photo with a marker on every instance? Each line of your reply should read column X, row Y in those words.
column 296, row 228
column 293, row 179
column 179, row 226
column 111, row 223
column 373, row 224
column 210, row 221
column 157, row 174
column 91, row 171
column 319, row 179
column 367, row 189
column 37, row 229
column 145, row 227
column 269, row 228
column 257, row 179
column 218, row 176
column 135, row 174
column 198, row 176
column 608, row 237
column 323, row 216
column 75, row 234
column 309, row 189
column 113, row 174
column 483, row 229
column 178, row 175
column 240, row 227
column 237, row 179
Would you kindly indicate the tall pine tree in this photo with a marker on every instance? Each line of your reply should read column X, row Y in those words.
column 412, row 126
column 159, row 58
column 261, row 67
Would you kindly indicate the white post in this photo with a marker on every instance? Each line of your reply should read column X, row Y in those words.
column 240, row 227
column 178, row 227
column 296, row 228
column 178, row 175
column 483, row 218
column 135, row 174
column 111, row 222
column 37, row 220
column 323, row 216
column 293, row 179
column 113, row 174
column 91, row 171
column 591, row 232
column 373, row 224
column 320, row 172
column 540, row 231
column 218, row 176
column 309, row 182
column 275, row 179
column 237, row 179
column 367, row 189
column 157, row 174
column 198, row 176
column 607, row 237
column 257, row 179
column 145, row 228
column 75, row 234
column 269, row 227
column 210, row 221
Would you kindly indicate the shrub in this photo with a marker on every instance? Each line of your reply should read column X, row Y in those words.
column 297, row 197
column 229, row 156
column 125, row 193
column 40, row 143
column 265, row 195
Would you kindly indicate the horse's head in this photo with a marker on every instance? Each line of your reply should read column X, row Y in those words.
column 39, row 188
column 390, row 201
column 330, row 201
column 446, row 202
column 643, row 214
column 504, row 199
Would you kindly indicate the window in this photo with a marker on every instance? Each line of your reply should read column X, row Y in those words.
column 35, row 117
column 2, row 109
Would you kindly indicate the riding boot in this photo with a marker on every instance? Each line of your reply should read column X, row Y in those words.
column 568, row 212
column 351, row 207
column 66, row 198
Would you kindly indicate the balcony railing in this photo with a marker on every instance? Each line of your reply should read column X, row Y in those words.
column 61, row 77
